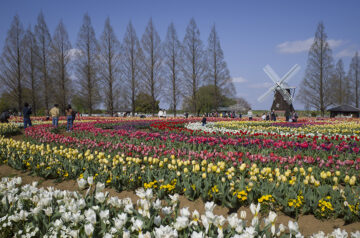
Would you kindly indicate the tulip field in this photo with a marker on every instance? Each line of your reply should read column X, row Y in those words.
column 310, row 167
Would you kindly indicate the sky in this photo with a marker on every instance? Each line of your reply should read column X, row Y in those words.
column 252, row 33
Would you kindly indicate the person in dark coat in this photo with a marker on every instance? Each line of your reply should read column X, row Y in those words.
column 203, row 120
column 26, row 113
column 4, row 117
column 287, row 115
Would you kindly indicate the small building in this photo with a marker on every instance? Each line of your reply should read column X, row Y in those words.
column 344, row 110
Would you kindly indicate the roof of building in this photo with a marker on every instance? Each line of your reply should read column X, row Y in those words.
column 344, row 108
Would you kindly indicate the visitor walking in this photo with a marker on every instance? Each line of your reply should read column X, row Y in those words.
column 4, row 117
column 69, row 118
column 273, row 115
column 267, row 116
column 203, row 120
column 55, row 113
column 26, row 114
column 250, row 114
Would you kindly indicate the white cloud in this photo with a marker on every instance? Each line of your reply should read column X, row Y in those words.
column 239, row 80
column 293, row 47
column 348, row 52
column 73, row 53
column 335, row 43
column 261, row 85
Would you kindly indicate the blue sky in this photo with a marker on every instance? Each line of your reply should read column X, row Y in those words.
column 252, row 33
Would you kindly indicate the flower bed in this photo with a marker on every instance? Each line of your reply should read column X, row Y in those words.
column 294, row 173
column 27, row 211
column 9, row 129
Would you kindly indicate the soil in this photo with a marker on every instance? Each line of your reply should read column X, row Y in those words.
column 308, row 224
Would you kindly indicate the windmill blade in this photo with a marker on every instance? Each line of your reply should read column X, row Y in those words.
column 271, row 73
column 291, row 73
column 287, row 97
column 262, row 97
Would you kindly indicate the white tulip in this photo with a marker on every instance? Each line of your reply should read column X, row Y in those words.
column 197, row 234
column 74, row 233
column 100, row 196
column 137, row 225
column 104, row 215
column 100, row 187
column 90, row 216
column 338, row 233
column 184, row 212
column 89, row 229
column 233, row 220
column 90, row 180
column 165, row 232
column 166, row 210
column 255, row 209
column 81, row 183
column 157, row 220
column 48, row 211
column 126, row 233
column 149, row 194
column 209, row 206
column 293, row 227
column 107, row 235
column 243, row 215
column 181, row 223
column 157, row 204
column 140, row 192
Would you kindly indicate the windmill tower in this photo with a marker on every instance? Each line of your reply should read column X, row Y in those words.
column 283, row 99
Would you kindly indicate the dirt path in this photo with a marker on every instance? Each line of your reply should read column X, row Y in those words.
column 308, row 224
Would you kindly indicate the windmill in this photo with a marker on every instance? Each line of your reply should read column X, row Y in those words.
column 282, row 91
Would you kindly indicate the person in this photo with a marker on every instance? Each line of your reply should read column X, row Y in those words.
column 250, row 114
column 294, row 116
column 164, row 113
column 55, row 113
column 287, row 115
column 267, row 116
column 186, row 115
column 203, row 120
column 273, row 115
column 160, row 114
column 4, row 117
column 69, row 117
column 73, row 114
column 263, row 117
column 26, row 114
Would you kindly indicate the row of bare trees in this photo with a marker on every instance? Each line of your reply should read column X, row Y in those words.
column 41, row 68
column 326, row 84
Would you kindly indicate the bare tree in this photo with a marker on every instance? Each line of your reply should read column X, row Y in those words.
column 152, row 63
column 43, row 39
column 11, row 62
column 315, row 88
column 173, row 60
column 110, row 66
column 31, row 67
column 193, row 66
column 338, row 87
column 87, row 65
column 217, row 71
column 354, row 78
column 60, row 59
column 131, row 53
